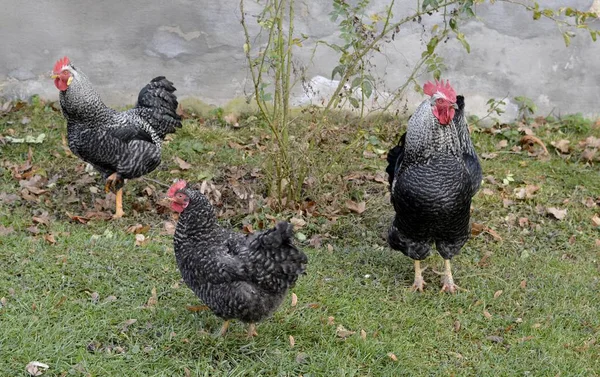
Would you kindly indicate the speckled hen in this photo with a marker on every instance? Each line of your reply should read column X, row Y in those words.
column 237, row 276
column 120, row 145
column 434, row 172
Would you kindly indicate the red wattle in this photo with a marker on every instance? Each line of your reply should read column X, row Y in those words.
column 60, row 84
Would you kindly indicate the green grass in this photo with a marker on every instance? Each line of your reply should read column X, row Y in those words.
column 56, row 309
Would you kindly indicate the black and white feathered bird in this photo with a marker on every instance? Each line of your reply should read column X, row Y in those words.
column 434, row 172
column 237, row 276
column 120, row 145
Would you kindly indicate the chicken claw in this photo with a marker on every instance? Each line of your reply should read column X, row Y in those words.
column 113, row 183
column 252, row 330
column 419, row 283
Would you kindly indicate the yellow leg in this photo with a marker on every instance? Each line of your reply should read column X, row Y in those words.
column 419, row 283
column 252, row 330
column 447, row 280
column 119, row 199
column 110, row 182
column 224, row 328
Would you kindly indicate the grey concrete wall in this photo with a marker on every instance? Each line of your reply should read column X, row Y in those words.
column 198, row 45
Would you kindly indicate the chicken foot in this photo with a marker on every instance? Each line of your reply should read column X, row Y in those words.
column 419, row 283
column 224, row 328
column 447, row 280
column 115, row 182
column 252, row 330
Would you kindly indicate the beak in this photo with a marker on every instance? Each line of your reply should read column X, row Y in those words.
column 54, row 76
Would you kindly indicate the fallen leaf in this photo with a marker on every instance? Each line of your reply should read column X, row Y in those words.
column 456, row 354
column 301, row 357
column 125, row 325
column 182, row 164
column 497, row 293
column 529, row 141
column 8, row 198
column 363, row 334
column 153, row 300
column 294, row 300
column 35, row 368
column 50, row 238
column 562, row 145
column 523, row 284
column 457, row 326
column 33, row 229
column 523, row 222
column 502, row 144
column 342, row 332
column 140, row 240
column 392, row 356
column 557, row 213
column 95, row 296
column 356, row 207
column 588, row 155
column 525, row 338
column 110, row 298
column 138, row 229
column 330, row 320
column 247, row 228
column 596, row 220
column 489, row 156
column 297, row 222
column 495, row 338
column 5, row 231
column 487, row 314
column 196, row 308
column 292, row 341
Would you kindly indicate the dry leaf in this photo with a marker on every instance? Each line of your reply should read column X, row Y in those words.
column 294, row 300
column 562, row 145
column 138, row 229
column 35, row 368
column 196, row 308
column 596, row 220
column 153, row 300
column 140, row 240
column 50, row 238
column 110, row 299
column 342, row 332
column 529, row 141
column 557, row 213
column 392, row 356
column 497, row 294
column 330, row 248
column 169, row 228
column 502, row 144
column 489, row 156
column 356, row 207
column 363, row 334
column 331, row 320
column 247, row 228
column 4, row 231
column 526, row 338
column 456, row 354
column 523, row 284
column 457, row 325
column 297, row 222
column 495, row 338
column 128, row 323
column 588, row 155
column 487, row 314
column 292, row 341
column 182, row 164
column 536, row 325
column 523, row 222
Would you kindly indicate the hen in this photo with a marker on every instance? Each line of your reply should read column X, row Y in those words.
column 237, row 276
column 120, row 145
column 434, row 172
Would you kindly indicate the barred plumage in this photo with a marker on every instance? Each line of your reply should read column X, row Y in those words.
column 123, row 144
column 238, row 276
column 434, row 173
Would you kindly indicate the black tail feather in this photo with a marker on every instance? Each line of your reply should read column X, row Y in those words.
column 158, row 96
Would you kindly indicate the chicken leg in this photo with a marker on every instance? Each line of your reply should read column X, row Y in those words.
column 419, row 283
column 252, row 330
column 114, row 182
column 224, row 328
column 447, row 280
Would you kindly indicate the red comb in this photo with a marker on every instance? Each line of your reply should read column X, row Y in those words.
column 61, row 63
column 176, row 187
column 430, row 89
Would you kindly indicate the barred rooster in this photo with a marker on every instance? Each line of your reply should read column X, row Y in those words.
column 120, row 145
column 433, row 172
column 237, row 276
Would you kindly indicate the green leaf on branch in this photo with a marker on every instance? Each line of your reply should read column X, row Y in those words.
column 367, row 88
column 339, row 70
column 567, row 39
column 432, row 45
column 353, row 102
column 461, row 38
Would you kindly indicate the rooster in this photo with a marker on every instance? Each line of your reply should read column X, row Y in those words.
column 434, row 172
column 237, row 276
column 120, row 145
